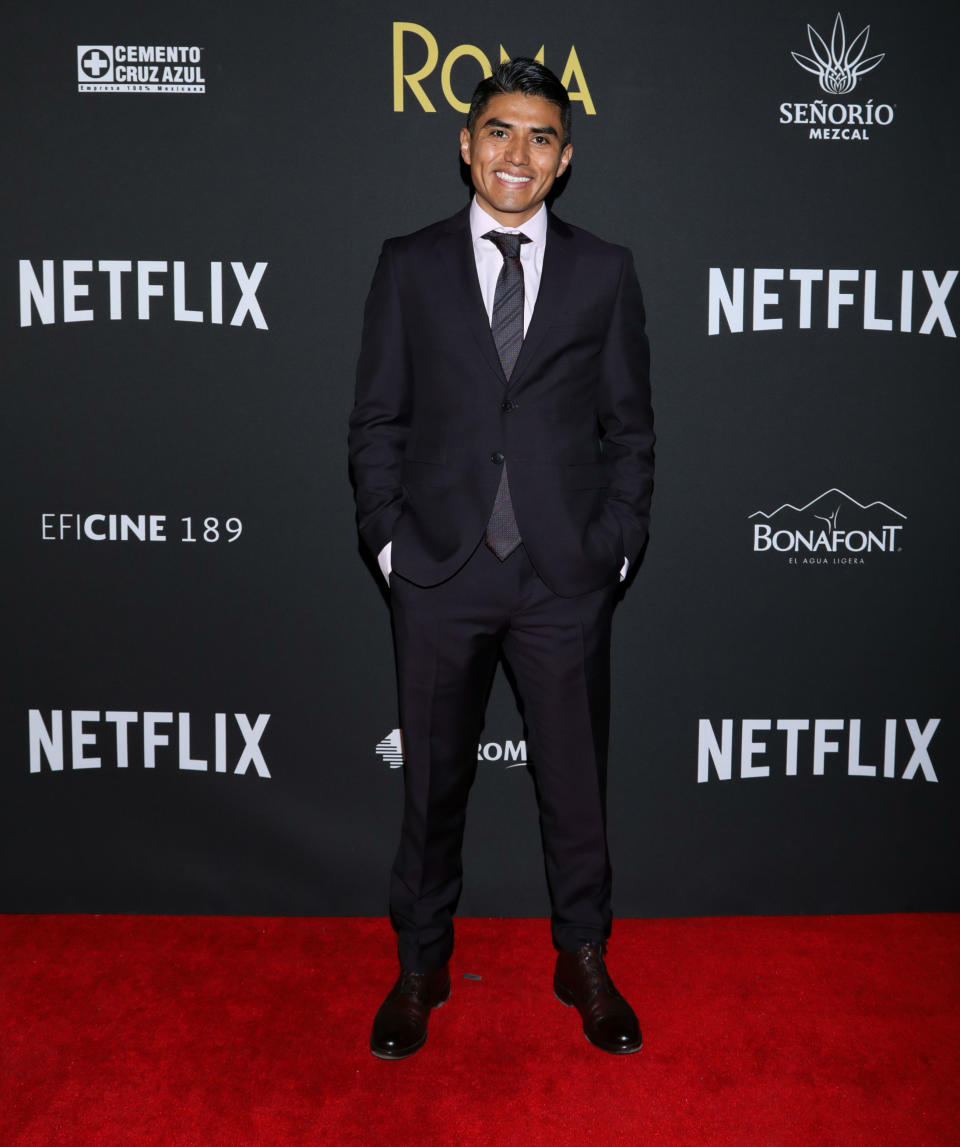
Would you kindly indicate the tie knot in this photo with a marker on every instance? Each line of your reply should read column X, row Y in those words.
column 507, row 245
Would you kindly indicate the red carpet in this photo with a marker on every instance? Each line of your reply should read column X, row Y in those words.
column 234, row 1032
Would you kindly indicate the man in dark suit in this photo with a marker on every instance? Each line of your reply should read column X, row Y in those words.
column 501, row 444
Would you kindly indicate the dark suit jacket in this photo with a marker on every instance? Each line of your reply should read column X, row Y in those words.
column 435, row 418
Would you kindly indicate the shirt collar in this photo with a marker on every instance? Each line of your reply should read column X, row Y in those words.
column 535, row 227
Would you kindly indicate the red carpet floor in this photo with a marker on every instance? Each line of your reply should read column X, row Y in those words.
column 234, row 1032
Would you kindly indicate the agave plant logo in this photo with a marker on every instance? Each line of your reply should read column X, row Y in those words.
column 838, row 66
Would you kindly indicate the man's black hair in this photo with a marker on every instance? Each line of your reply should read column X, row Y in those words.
column 527, row 77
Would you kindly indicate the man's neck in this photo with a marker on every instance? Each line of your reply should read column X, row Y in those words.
column 508, row 222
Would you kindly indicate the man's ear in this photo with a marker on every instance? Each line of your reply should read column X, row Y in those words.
column 565, row 156
column 465, row 146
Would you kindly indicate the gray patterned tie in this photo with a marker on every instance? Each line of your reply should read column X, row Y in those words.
column 502, row 534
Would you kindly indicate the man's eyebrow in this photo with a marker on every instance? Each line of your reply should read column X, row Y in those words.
column 494, row 122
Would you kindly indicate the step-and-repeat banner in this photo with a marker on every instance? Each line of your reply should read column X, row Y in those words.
column 200, row 710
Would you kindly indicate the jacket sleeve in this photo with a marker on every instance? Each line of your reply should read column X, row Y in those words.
column 380, row 419
column 626, row 415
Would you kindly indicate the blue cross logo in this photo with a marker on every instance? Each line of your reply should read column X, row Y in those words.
column 94, row 63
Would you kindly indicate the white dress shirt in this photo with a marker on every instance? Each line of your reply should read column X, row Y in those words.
column 489, row 264
column 490, row 261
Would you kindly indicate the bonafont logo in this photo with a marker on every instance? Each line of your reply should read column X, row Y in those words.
column 840, row 540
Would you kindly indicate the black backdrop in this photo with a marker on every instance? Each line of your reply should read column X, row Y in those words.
column 700, row 143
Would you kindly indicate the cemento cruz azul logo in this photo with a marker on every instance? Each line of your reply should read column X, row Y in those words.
column 406, row 75
column 164, row 68
column 838, row 66
column 833, row 529
column 512, row 753
column 794, row 751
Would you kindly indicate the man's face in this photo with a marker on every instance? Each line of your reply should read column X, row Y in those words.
column 514, row 154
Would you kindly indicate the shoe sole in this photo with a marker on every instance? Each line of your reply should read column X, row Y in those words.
column 414, row 1048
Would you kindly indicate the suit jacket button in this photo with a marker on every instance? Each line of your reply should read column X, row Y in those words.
column 497, row 457
column 506, row 406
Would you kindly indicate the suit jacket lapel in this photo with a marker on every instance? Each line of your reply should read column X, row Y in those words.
column 555, row 281
column 460, row 272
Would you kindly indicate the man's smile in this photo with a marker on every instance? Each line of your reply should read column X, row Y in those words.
column 507, row 177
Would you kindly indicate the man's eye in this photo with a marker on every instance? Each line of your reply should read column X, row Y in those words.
column 498, row 131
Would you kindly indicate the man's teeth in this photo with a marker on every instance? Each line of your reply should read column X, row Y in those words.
column 514, row 178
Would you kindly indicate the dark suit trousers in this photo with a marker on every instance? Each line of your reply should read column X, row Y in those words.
column 448, row 638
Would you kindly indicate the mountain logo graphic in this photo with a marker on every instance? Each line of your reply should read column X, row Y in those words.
column 839, row 65
column 832, row 524
column 831, row 500
column 391, row 749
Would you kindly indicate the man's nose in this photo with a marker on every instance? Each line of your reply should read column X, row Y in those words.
column 517, row 151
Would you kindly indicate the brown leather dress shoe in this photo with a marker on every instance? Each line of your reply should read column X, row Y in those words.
column 400, row 1026
column 582, row 981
